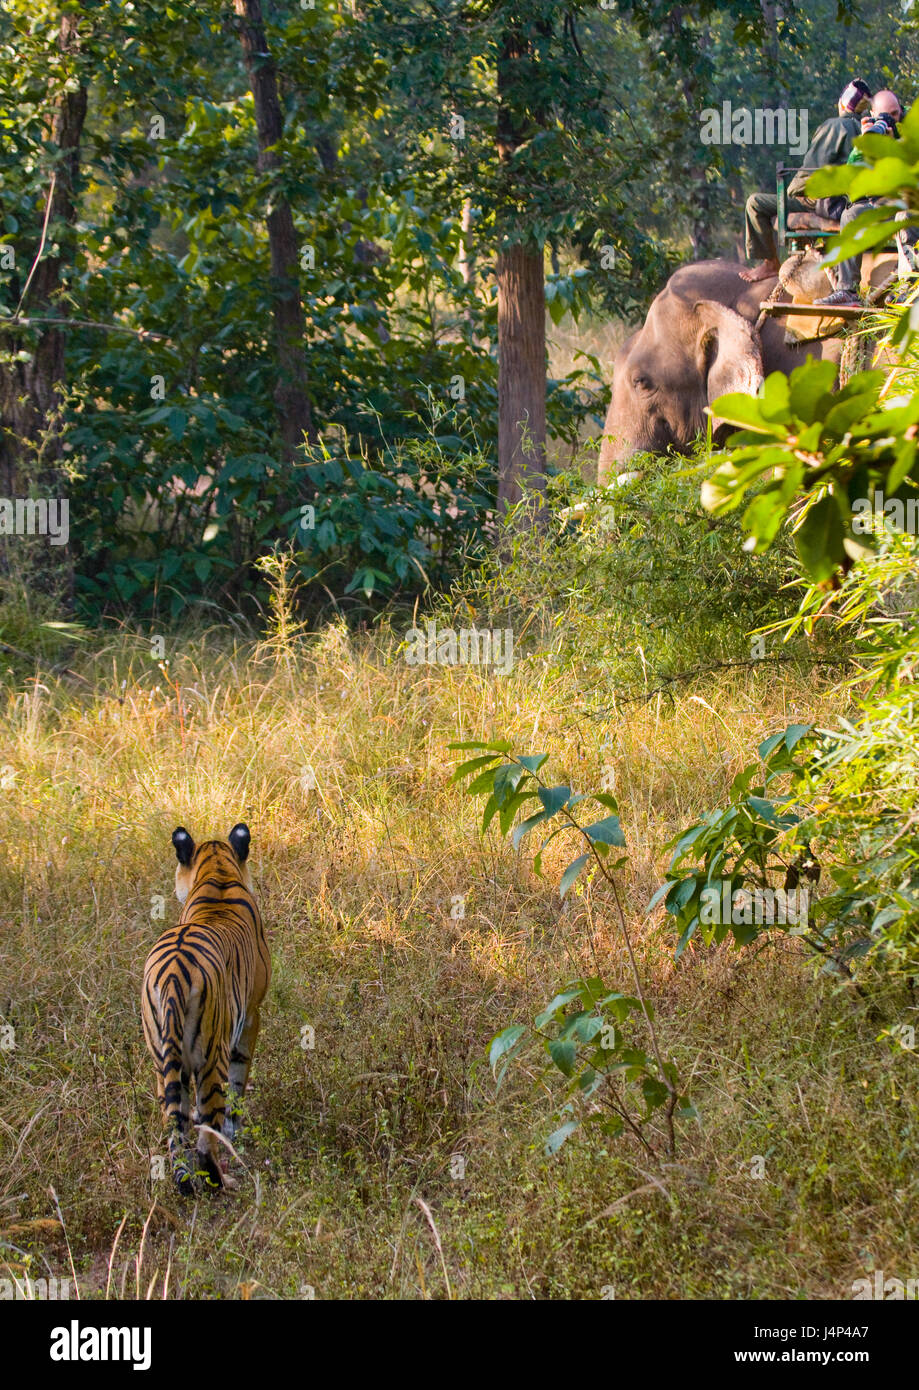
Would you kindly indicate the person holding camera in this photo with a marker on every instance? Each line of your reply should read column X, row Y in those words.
column 831, row 144
column 881, row 120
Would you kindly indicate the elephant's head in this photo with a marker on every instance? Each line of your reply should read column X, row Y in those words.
column 688, row 353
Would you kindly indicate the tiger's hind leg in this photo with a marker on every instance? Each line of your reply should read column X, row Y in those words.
column 240, row 1063
column 211, row 1115
column 174, row 1100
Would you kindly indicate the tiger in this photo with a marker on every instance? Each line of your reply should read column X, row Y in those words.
column 204, row 982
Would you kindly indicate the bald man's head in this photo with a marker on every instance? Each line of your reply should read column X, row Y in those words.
column 886, row 101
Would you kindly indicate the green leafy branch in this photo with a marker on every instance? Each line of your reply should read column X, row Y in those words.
column 594, row 1070
column 738, row 857
column 815, row 457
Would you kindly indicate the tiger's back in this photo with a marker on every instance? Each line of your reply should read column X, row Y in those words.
column 204, row 981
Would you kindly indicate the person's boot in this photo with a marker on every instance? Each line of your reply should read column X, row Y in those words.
column 838, row 298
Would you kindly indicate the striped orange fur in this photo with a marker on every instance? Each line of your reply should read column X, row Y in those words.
column 204, row 981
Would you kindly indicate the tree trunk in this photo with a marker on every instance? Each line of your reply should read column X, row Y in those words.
column 521, row 306
column 698, row 188
column 291, row 393
column 521, row 372
column 30, row 443
column 773, row 13
column 29, row 389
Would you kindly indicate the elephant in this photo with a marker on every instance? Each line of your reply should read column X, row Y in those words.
column 698, row 341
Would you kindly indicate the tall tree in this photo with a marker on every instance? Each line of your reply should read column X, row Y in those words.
column 34, row 369
column 291, row 394
column 32, row 360
column 520, row 279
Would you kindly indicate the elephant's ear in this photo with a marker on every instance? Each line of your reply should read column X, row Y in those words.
column 730, row 352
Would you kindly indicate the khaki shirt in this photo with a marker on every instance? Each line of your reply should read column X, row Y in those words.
column 830, row 145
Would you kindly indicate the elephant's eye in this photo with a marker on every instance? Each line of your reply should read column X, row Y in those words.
column 643, row 383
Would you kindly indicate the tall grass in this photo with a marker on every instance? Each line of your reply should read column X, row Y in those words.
column 380, row 1162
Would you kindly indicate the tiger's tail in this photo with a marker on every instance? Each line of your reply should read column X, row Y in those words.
column 211, row 1072
column 170, row 1010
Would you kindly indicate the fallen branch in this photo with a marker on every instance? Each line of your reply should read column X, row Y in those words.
column 680, row 676
column 15, row 323
column 26, row 656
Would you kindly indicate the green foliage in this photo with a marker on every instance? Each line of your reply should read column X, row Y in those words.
column 726, row 852
column 641, row 582
column 841, row 469
column 612, row 1083
column 509, row 786
column 829, row 807
column 173, row 458
column 406, row 520
column 174, row 461
column 862, row 789
column 816, row 456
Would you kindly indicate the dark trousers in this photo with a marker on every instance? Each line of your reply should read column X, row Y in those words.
column 849, row 273
column 760, row 210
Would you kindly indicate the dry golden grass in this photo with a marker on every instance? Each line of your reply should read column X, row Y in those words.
column 346, row 1185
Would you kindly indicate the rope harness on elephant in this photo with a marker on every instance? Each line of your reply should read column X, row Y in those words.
column 858, row 349
column 785, row 271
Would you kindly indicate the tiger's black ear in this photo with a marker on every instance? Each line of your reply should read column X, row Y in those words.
column 239, row 839
column 185, row 845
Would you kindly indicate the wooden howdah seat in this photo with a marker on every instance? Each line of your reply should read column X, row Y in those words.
column 796, row 230
column 810, row 222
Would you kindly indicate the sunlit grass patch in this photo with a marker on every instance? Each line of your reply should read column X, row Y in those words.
column 404, row 940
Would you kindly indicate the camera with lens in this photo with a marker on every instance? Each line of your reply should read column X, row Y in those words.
column 881, row 124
